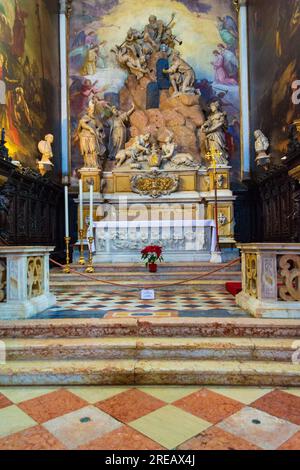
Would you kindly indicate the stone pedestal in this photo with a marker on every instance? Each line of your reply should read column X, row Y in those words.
column 25, row 281
column 88, row 175
column 271, row 280
column 225, row 204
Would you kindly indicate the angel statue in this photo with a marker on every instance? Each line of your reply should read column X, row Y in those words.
column 214, row 130
column 261, row 146
column 45, row 148
column 90, row 135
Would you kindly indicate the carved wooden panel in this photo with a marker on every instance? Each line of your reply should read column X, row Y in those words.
column 31, row 208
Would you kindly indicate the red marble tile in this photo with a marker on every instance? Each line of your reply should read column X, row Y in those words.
column 4, row 401
column 52, row 405
column 292, row 444
column 36, row 438
column 280, row 404
column 130, row 405
column 209, row 405
column 124, row 438
column 217, row 439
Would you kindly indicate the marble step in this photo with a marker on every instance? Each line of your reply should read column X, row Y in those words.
column 249, row 349
column 151, row 327
column 164, row 267
column 129, row 285
column 124, row 276
column 149, row 372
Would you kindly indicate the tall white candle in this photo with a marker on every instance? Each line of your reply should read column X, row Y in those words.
column 80, row 205
column 67, row 211
column 91, row 209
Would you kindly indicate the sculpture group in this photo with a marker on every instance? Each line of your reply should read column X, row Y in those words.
column 102, row 138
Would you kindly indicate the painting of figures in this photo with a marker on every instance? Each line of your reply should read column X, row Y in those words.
column 28, row 79
column 274, row 33
column 107, row 62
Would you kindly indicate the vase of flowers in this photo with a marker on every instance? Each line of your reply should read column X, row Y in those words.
column 151, row 255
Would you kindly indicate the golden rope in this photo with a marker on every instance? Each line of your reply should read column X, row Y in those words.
column 141, row 286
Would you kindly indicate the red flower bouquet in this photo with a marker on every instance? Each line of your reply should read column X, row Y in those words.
column 151, row 255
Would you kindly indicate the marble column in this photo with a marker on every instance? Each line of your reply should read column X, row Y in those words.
column 64, row 17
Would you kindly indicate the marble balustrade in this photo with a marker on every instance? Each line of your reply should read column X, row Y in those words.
column 271, row 280
column 24, row 281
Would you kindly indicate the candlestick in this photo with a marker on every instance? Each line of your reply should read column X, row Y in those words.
column 90, row 268
column 67, row 211
column 91, row 207
column 81, row 259
column 67, row 265
column 80, row 205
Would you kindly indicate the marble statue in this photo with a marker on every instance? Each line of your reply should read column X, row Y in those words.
column 136, row 65
column 45, row 148
column 136, row 153
column 261, row 146
column 90, row 134
column 214, row 130
column 176, row 160
column 157, row 33
column 118, row 131
column 153, row 32
column 168, row 148
column 182, row 75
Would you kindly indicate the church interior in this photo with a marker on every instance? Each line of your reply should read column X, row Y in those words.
column 150, row 225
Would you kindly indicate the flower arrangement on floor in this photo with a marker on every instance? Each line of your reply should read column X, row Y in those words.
column 151, row 255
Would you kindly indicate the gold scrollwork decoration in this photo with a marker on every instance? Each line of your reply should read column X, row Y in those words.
column 35, row 275
column 236, row 4
column 290, row 274
column 251, row 274
column 154, row 184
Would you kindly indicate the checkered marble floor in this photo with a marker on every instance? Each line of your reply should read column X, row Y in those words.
column 149, row 418
column 191, row 303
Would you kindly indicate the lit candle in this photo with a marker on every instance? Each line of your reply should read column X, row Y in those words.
column 80, row 205
column 67, row 211
column 91, row 209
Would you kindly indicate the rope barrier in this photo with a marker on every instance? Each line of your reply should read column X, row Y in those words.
column 143, row 286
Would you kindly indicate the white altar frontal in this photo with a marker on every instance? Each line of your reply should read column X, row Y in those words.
column 181, row 240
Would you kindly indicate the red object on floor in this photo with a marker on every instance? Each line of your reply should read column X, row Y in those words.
column 233, row 288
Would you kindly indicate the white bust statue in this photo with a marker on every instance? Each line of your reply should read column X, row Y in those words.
column 262, row 144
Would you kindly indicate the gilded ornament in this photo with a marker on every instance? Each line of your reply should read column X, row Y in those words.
column 154, row 184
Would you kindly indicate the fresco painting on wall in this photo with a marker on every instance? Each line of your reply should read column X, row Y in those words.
column 27, row 75
column 205, row 33
column 274, row 33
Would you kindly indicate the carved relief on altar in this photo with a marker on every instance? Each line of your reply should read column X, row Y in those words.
column 2, row 279
column 155, row 184
column 269, row 277
column 35, row 277
column 289, row 269
column 251, row 274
